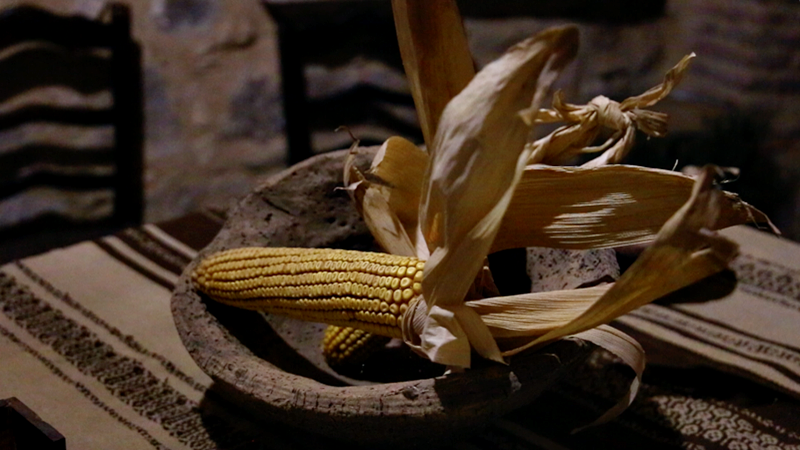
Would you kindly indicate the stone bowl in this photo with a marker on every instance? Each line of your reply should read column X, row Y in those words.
column 273, row 367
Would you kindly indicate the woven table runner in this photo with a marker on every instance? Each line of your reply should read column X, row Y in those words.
column 87, row 341
column 753, row 331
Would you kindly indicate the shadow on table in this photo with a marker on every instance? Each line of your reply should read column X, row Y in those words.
column 254, row 333
column 578, row 399
column 230, row 427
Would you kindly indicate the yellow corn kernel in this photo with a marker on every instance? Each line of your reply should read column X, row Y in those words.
column 363, row 290
column 345, row 346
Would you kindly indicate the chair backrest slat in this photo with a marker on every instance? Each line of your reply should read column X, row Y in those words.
column 75, row 72
column 29, row 23
column 67, row 116
column 28, row 67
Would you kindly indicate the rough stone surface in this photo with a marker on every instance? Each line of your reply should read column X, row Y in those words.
column 213, row 117
column 253, row 112
column 553, row 269
column 213, row 102
column 175, row 14
column 272, row 374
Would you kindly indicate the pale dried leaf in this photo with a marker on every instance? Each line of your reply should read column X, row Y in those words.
column 629, row 351
column 446, row 333
column 659, row 92
column 443, row 338
column 435, row 54
column 535, row 314
column 685, row 251
column 477, row 158
column 387, row 229
column 623, row 144
column 584, row 124
column 603, row 207
column 399, row 166
column 373, row 201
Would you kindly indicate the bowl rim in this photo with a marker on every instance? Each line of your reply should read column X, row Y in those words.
column 384, row 412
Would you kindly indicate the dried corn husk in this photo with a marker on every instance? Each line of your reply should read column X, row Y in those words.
column 603, row 207
column 383, row 196
column 477, row 191
column 436, row 56
column 629, row 351
column 477, row 158
column 375, row 205
column 477, row 195
column 535, row 314
column 594, row 208
column 685, row 251
column 586, row 122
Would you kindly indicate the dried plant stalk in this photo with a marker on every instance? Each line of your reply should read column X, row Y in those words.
column 685, row 251
column 603, row 207
column 585, row 123
column 436, row 56
column 563, row 207
column 477, row 195
column 476, row 161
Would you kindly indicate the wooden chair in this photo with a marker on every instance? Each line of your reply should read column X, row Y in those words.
column 70, row 128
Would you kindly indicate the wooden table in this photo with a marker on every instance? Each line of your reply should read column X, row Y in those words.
column 87, row 341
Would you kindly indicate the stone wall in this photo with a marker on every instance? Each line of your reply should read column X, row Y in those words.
column 212, row 98
column 214, row 121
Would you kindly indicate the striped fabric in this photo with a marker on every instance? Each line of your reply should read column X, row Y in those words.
column 87, row 341
column 753, row 331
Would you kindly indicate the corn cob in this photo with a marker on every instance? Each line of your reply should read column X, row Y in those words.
column 344, row 346
column 363, row 290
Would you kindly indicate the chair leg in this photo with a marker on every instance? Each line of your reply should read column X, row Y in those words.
column 295, row 104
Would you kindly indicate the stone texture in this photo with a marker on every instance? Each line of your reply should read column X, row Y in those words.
column 176, row 14
column 212, row 100
column 255, row 111
column 553, row 269
column 274, row 367
column 214, row 119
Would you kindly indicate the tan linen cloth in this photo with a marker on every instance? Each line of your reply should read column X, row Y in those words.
column 755, row 330
column 87, row 341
